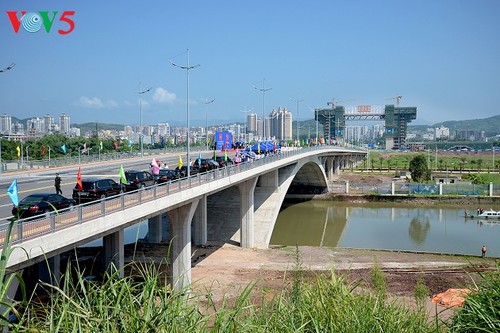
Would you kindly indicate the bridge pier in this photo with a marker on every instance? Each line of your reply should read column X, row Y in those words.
column 114, row 252
column 180, row 245
column 200, row 222
column 155, row 229
column 247, row 234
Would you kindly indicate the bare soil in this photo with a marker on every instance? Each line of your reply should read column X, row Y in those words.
column 224, row 271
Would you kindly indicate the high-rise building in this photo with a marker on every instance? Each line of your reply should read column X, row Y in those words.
column 5, row 123
column 64, row 124
column 35, row 126
column 280, row 124
column 164, row 130
column 48, row 122
column 127, row 131
column 252, row 123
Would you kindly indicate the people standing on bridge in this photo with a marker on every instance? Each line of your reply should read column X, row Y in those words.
column 483, row 251
column 57, row 184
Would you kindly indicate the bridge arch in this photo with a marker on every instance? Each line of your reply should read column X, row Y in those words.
column 251, row 225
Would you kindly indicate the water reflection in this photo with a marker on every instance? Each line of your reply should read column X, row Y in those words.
column 382, row 226
column 418, row 229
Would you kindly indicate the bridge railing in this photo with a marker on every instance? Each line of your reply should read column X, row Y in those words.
column 35, row 227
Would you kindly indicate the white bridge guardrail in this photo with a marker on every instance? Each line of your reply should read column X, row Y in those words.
column 38, row 226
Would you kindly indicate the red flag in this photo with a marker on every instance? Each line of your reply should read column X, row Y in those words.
column 79, row 180
column 116, row 144
column 43, row 150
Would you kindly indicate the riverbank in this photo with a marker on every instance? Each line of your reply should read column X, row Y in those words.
column 223, row 271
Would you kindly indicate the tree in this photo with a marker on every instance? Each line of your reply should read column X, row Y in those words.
column 418, row 168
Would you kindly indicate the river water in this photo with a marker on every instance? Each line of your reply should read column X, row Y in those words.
column 380, row 226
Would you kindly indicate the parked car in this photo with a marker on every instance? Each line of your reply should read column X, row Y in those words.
column 41, row 203
column 183, row 171
column 166, row 175
column 205, row 164
column 95, row 189
column 138, row 179
column 223, row 161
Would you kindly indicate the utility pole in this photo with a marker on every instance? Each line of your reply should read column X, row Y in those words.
column 298, row 101
column 263, row 90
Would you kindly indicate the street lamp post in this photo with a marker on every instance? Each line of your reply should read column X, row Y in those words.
column 263, row 90
column 141, row 139
column 8, row 68
column 206, row 118
column 187, row 68
column 298, row 130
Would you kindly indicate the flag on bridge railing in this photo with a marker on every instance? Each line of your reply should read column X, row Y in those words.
column 79, row 180
column 63, row 148
column 18, row 151
column 100, row 145
column 123, row 179
column 12, row 192
column 180, row 162
column 43, row 150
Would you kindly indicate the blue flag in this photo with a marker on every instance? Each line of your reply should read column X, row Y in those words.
column 12, row 192
column 63, row 148
column 199, row 160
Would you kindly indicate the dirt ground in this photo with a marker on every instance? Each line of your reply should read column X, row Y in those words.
column 224, row 271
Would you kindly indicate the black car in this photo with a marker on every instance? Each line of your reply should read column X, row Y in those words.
column 205, row 164
column 95, row 189
column 166, row 175
column 41, row 203
column 183, row 171
column 138, row 179
column 223, row 161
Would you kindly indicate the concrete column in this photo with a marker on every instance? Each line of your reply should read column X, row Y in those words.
column 247, row 234
column 114, row 252
column 154, row 230
column 346, row 187
column 55, row 268
column 393, row 188
column 180, row 245
column 440, row 188
column 330, row 162
column 336, row 165
column 200, row 222
column 490, row 189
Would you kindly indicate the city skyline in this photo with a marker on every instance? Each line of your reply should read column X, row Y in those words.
column 439, row 56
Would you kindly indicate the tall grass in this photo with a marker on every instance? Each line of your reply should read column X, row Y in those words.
column 9, row 306
column 144, row 302
column 481, row 310
column 325, row 303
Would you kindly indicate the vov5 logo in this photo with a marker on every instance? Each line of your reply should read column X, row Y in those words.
column 33, row 21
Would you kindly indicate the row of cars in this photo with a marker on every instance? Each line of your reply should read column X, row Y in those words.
column 95, row 189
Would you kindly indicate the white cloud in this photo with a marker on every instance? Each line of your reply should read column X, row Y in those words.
column 95, row 103
column 163, row 96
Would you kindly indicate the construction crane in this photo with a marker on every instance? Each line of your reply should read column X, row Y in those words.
column 334, row 102
column 397, row 98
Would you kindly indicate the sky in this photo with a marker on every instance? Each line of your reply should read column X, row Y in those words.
column 441, row 56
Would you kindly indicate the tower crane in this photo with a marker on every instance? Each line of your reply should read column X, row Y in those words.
column 397, row 98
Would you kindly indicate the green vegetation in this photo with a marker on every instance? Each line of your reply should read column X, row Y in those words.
column 143, row 302
column 419, row 170
column 481, row 311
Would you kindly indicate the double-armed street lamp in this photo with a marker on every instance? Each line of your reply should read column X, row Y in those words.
column 207, row 101
column 187, row 68
column 141, row 138
column 298, row 101
column 263, row 90
column 6, row 69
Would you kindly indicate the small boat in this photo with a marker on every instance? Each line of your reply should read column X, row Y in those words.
column 489, row 214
